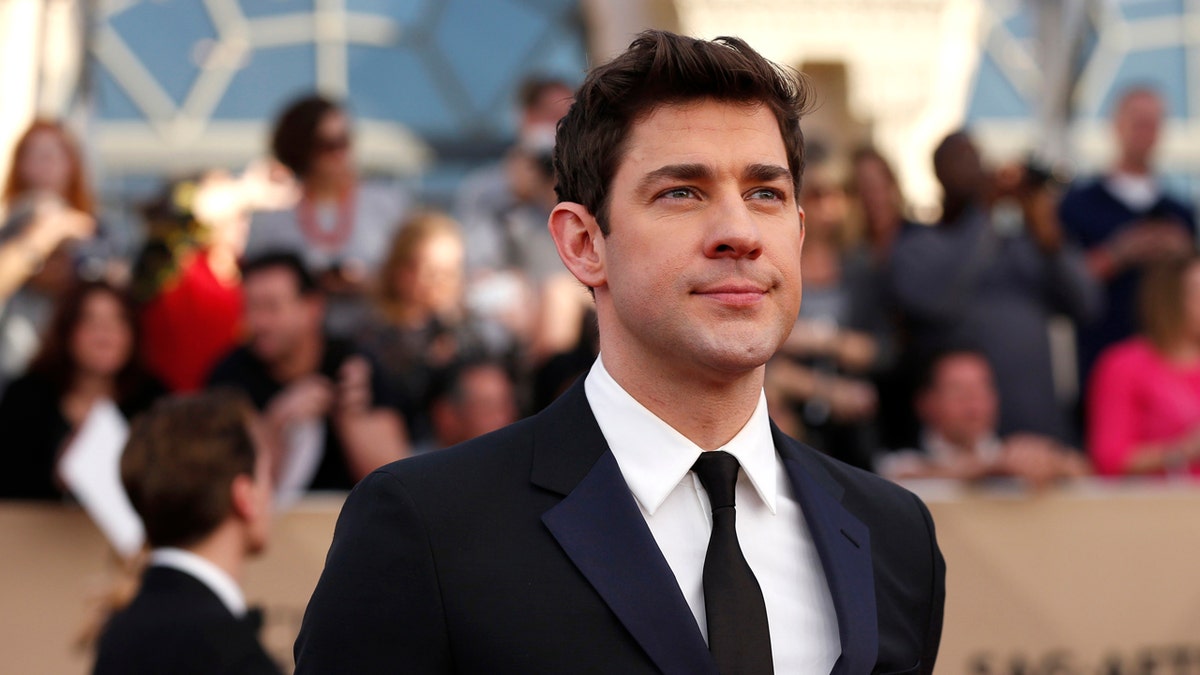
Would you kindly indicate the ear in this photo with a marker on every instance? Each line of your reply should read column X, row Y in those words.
column 580, row 243
column 244, row 498
column 802, row 229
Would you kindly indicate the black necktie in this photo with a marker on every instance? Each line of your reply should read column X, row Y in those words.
column 738, row 636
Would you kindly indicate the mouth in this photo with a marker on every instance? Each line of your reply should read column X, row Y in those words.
column 738, row 294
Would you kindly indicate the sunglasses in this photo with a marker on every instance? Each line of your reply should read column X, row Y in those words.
column 331, row 145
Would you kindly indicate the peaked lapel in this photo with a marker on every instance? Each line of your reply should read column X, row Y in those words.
column 843, row 544
column 599, row 526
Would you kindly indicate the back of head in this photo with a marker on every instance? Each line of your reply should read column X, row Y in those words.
column 180, row 462
column 661, row 68
column 1163, row 302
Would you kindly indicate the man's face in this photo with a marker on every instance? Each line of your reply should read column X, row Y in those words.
column 1137, row 124
column 277, row 317
column 961, row 404
column 487, row 403
column 701, row 268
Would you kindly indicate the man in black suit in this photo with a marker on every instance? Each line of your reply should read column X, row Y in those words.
column 652, row 519
column 196, row 476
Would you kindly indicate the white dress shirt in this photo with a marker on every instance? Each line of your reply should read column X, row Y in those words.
column 217, row 579
column 656, row 461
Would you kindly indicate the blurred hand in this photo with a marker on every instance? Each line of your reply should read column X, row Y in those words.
column 54, row 223
column 306, row 399
column 1034, row 458
column 1150, row 240
column 354, row 387
column 851, row 400
column 266, row 185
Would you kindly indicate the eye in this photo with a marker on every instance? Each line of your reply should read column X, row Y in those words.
column 767, row 194
column 678, row 193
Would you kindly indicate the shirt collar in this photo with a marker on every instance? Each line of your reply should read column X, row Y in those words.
column 215, row 578
column 654, row 457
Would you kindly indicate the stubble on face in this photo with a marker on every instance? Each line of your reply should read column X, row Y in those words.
column 702, row 262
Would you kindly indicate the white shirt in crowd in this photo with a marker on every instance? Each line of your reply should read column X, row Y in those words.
column 656, row 461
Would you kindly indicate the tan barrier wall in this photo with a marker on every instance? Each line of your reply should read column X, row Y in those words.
column 1095, row 580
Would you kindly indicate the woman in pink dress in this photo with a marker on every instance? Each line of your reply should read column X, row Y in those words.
column 1144, row 397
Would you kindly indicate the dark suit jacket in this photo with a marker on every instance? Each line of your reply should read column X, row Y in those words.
column 525, row 552
column 176, row 625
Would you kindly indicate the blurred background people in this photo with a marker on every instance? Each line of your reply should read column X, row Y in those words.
column 1125, row 220
column 957, row 406
column 488, row 196
column 470, row 398
column 48, row 238
column 989, row 276
column 340, row 224
column 877, row 218
column 1144, row 396
column 186, row 278
column 836, row 341
column 328, row 412
column 514, row 273
column 421, row 322
column 199, row 476
column 89, row 356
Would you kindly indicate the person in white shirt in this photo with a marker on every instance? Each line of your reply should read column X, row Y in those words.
column 198, row 474
column 1126, row 220
column 651, row 519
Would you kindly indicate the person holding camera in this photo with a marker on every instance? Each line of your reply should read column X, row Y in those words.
column 989, row 276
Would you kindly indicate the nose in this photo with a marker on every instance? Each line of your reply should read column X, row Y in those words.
column 733, row 231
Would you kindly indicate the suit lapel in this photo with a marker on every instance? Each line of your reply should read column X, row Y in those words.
column 600, row 528
column 843, row 544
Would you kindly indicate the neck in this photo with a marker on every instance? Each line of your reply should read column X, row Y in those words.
column 303, row 360
column 707, row 410
column 225, row 549
column 322, row 188
column 1134, row 166
column 954, row 207
column 92, row 385
column 223, row 262
column 409, row 314
column 1183, row 351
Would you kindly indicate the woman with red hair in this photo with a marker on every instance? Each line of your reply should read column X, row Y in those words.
column 47, row 237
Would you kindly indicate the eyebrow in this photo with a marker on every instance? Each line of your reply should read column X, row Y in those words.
column 675, row 172
column 767, row 172
column 690, row 172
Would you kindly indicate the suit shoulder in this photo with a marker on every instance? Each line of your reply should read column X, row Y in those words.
column 863, row 488
column 479, row 460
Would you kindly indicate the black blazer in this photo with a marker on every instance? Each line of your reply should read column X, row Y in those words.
column 524, row 552
column 176, row 625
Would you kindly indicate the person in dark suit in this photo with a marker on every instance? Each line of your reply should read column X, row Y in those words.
column 195, row 474
column 652, row 519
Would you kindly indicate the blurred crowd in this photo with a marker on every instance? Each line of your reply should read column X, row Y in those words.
column 1036, row 331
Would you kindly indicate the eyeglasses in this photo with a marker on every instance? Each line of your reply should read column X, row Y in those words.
column 331, row 145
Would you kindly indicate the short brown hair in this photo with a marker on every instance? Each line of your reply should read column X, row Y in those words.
column 661, row 68
column 1161, row 301
column 180, row 462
